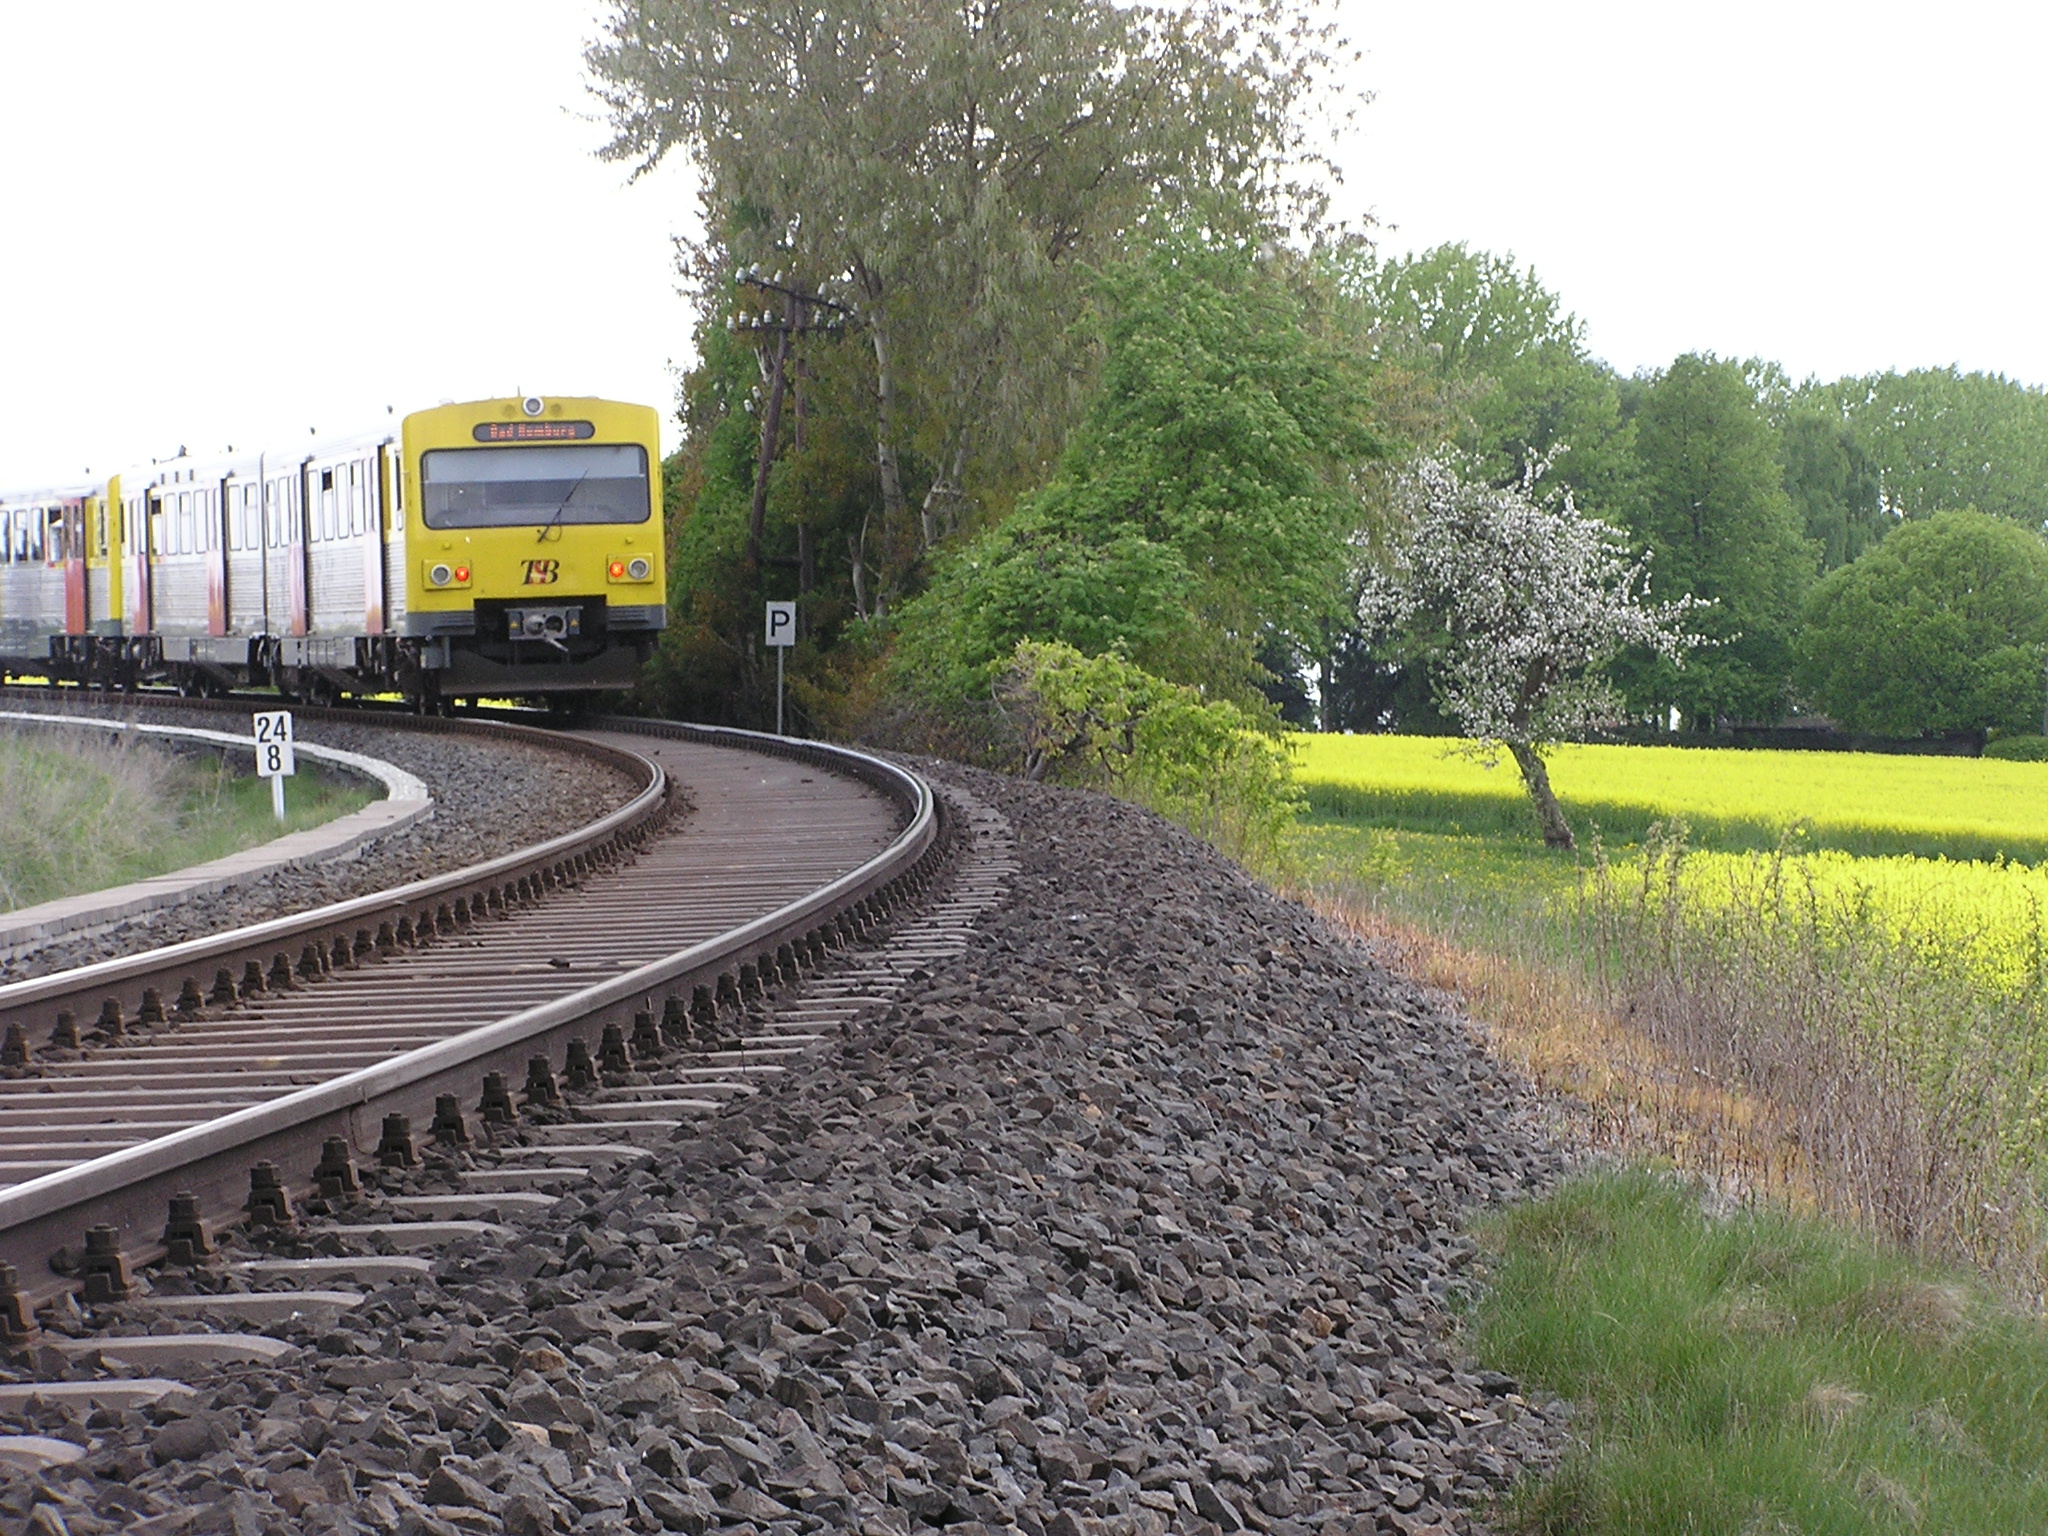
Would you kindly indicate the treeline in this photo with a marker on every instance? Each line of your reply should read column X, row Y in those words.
column 1086, row 370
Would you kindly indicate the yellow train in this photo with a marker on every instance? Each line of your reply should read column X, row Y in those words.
column 501, row 548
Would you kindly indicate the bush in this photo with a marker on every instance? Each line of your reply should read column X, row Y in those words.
column 2019, row 749
column 1100, row 720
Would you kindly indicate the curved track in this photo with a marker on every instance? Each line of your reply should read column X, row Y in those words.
column 355, row 1024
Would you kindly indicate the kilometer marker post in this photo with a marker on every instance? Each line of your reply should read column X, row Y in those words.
column 275, row 760
column 781, row 636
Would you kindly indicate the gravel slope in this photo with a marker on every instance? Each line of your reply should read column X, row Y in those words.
column 489, row 799
column 1141, row 1216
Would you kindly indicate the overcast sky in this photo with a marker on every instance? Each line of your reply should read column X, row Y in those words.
column 232, row 223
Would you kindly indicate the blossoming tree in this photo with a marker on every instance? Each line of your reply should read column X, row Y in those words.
column 1515, row 603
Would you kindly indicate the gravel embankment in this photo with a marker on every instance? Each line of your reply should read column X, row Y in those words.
column 489, row 799
column 1142, row 1216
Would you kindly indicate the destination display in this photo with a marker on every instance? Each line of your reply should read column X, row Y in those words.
column 531, row 431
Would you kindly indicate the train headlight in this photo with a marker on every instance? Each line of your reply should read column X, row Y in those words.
column 439, row 575
column 533, row 405
column 629, row 568
column 618, row 571
column 639, row 568
column 442, row 574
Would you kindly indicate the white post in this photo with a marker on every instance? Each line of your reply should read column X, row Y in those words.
column 271, row 732
column 781, row 636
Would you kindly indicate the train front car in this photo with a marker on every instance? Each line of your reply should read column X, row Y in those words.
column 533, row 550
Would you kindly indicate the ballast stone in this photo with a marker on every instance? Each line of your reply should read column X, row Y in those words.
column 1141, row 1215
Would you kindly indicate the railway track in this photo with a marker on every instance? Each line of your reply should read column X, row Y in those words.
column 515, row 1028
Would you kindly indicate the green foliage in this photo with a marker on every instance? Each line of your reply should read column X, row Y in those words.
column 1202, row 503
column 1510, row 366
column 1100, row 720
column 1710, row 506
column 2018, row 749
column 951, row 170
column 1758, row 1372
column 1942, row 627
column 1835, row 487
column 1943, row 439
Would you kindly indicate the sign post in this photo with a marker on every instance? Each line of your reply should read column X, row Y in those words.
column 781, row 636
column 275, row 759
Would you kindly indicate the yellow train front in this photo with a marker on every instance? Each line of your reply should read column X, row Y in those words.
column 531, row 547
column 503, row 548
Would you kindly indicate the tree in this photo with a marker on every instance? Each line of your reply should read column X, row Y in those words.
column 950, row 169
column 1510, row 365
column 1943, row 439
column 1834, row 486
column 1202, row 509
column 1710, row 505
column 1516, row 605
column 1942, row 627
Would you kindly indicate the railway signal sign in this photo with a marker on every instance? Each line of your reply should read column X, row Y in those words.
column 275, row 760
column 781, row 635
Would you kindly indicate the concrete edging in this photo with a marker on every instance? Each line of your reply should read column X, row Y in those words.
column 405, row 801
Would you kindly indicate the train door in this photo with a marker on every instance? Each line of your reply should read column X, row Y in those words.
column 144, row 520
column 298, row 618
column 213, row 543
column 71, row 542
column 371, row 478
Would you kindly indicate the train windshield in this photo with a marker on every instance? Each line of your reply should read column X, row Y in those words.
column 534, row 484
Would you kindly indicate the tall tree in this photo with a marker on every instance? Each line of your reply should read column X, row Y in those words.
column 1943, row 439
column 1510, row 363
column 1202, row 509
column 1942, row 627
column 1834, row 485
column 949, row 168
column 1710, row 506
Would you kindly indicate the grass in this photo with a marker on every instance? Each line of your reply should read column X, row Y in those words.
column 1752, row 1372
column 1858, row 803
column 87, row 810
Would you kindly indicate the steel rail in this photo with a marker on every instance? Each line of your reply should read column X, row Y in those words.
column 130, row 1189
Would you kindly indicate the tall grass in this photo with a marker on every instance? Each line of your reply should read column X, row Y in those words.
column 84, row 810
column 1905, row 1079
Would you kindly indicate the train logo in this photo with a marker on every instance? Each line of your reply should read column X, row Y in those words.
column 542, row 573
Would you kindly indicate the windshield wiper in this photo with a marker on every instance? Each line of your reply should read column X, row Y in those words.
column 555, row 521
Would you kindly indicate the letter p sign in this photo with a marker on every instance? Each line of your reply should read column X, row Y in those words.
column 782, row 623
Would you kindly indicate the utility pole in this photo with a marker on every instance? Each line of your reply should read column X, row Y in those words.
column 795, row 320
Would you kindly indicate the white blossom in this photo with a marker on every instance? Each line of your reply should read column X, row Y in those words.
column 1517, row 604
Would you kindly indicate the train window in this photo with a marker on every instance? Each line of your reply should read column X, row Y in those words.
column 504, row 487
column 358, row 485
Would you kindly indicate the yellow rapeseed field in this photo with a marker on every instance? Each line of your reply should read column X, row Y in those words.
column 1964, row 808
